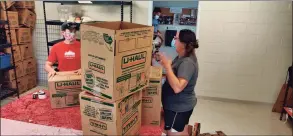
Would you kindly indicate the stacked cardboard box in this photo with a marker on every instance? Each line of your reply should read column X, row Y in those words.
column 113, row 76
column 64, row 89
column 21, row 18
column 151, row 98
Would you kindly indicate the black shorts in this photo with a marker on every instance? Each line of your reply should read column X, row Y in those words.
column 176, row 120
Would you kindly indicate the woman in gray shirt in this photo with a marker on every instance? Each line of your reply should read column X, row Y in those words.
column 178, row 96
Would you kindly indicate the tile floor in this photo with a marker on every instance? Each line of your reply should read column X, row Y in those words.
column 233, row 118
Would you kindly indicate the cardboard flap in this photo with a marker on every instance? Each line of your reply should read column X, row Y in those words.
column 156, row 72
column 130, row 39
column 58, row 77
column 96, row 98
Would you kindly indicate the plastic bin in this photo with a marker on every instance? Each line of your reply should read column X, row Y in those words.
column 5, row 61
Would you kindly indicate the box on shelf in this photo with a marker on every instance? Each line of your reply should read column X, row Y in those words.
column 19, row 69
column 21, row 82
column 102, row 117
column 25, row 4
column 23, row 35
column 13, row 36
column 16, row 53
column 31, row 80
column 64, row 89
column 9, row 3
column 26, row 51
column 29, row 66
column 27, row 18
column 9, row 75
column 119, row 67
column 12, row 17
column 151, row 98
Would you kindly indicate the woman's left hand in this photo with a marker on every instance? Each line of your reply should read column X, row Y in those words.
column 164, row 61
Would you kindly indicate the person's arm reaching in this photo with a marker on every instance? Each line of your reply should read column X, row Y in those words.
column 49, row 68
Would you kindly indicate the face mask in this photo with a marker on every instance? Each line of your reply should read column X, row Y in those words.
column 157, row 16
column 173, row 43
column 69, row 36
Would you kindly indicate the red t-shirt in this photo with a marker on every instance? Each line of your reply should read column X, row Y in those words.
column 67, row 56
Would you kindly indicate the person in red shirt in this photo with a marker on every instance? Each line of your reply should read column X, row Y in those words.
column 66, row 53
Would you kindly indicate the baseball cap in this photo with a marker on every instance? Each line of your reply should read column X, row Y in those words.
column 70, row 26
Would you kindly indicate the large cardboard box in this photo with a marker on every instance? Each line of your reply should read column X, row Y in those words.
column 151, row 98
column 102, row 117
column 21, row 82
column 115, row 57
column 29, row 66
column 16, row 53
column 64, row 89
column 27, row 17
column 31, row 80
column 9, row 75
column 26, row 51
column 12, row 16
column 25, row 4
column 9, row 3
column 13, row 36
column 19, row 69
column 23, row 35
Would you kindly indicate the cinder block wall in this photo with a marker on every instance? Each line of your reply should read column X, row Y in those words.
column 245, row 49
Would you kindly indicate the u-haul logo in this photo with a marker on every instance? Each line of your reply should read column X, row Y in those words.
column 98, row 124
column 68, row 84
column 97, row 67
column 147, row 100
column 129, row 123
column 133, row 59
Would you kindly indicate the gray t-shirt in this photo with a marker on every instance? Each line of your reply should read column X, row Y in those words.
column 187, row 68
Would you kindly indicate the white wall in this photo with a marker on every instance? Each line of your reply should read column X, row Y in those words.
column 245, row 49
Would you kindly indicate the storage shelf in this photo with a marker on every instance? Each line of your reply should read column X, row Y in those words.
column 3, row 22
column 2, row 46
column 59, row 23
column 54, row 22
column 93, row 2
column 54, row 42
column 6, row 69
column 6, row 92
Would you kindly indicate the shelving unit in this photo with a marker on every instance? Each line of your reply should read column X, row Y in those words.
column 6, row 92
column 59, row 23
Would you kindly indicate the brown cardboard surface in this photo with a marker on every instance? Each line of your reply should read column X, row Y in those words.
column 64, row 89
column 26, row 51
column 186, row 11
column 19, row 69
column 101, row 117
column 16, row 53
column 9, row 75
column 26, row 17
column 29, row 66
column 13, row 18
column 151, row 98
column 31, row 80
column 25, row 4
column 118, row 66
column 23, row 35
column 13, row 36
column 9, row 3
column 22, row 84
